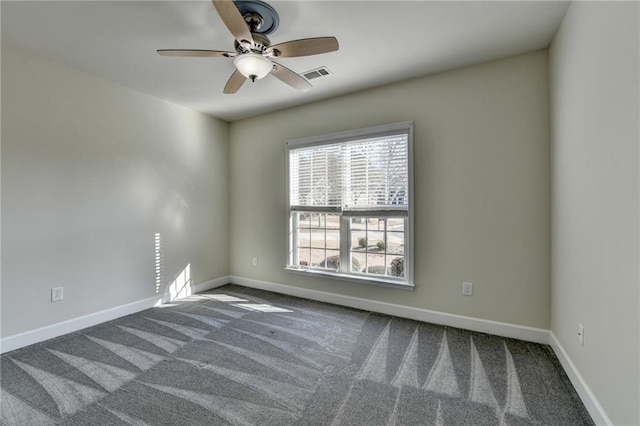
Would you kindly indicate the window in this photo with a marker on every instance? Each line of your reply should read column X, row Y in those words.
column 349, row 204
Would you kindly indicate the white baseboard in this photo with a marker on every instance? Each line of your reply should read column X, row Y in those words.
column 198, row 288
column 598, row 415
column 20, row 340
column 530, row 334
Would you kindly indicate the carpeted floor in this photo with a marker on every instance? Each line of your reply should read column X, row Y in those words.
column 242, row 356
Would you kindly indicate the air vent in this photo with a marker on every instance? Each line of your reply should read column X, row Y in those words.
column 318, row 72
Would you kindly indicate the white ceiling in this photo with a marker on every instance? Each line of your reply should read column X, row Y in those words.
column 380, row 42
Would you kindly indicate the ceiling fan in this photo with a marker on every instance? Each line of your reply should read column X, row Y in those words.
column 249, row 21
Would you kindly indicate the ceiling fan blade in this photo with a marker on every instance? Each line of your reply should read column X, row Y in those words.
column 289, row 77
column 234, row 21
column 305, row 47
column 195, row 53
column 234, row 83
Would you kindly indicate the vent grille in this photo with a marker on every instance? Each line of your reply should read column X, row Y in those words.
column 316, row 73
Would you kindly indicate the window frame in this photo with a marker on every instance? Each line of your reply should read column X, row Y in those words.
column 406, row 282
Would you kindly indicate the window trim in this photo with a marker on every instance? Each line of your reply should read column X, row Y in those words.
column 346, row 136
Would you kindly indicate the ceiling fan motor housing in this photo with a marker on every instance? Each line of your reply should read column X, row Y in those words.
column 260, row 44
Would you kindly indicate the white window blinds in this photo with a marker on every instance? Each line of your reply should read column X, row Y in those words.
column 316, row 176
column 364, row 176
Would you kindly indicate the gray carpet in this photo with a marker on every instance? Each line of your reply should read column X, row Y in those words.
column 242, row 356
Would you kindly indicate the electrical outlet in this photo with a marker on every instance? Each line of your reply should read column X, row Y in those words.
column 254, row 262
column 581, row 334
column 467, row 289
column 57, row 294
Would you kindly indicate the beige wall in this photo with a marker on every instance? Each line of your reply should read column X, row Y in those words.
column 482, row 189
column 595, row 194
column 90, row 172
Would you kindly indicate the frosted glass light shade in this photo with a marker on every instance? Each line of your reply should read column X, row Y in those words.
column 253, row 66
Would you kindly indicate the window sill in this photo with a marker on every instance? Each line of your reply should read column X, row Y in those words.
column 352, row 278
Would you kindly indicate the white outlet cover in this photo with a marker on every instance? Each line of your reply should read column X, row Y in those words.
column 57, row 294
column 467, row 289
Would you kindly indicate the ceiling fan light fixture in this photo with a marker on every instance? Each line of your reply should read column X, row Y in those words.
column 253, row 66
